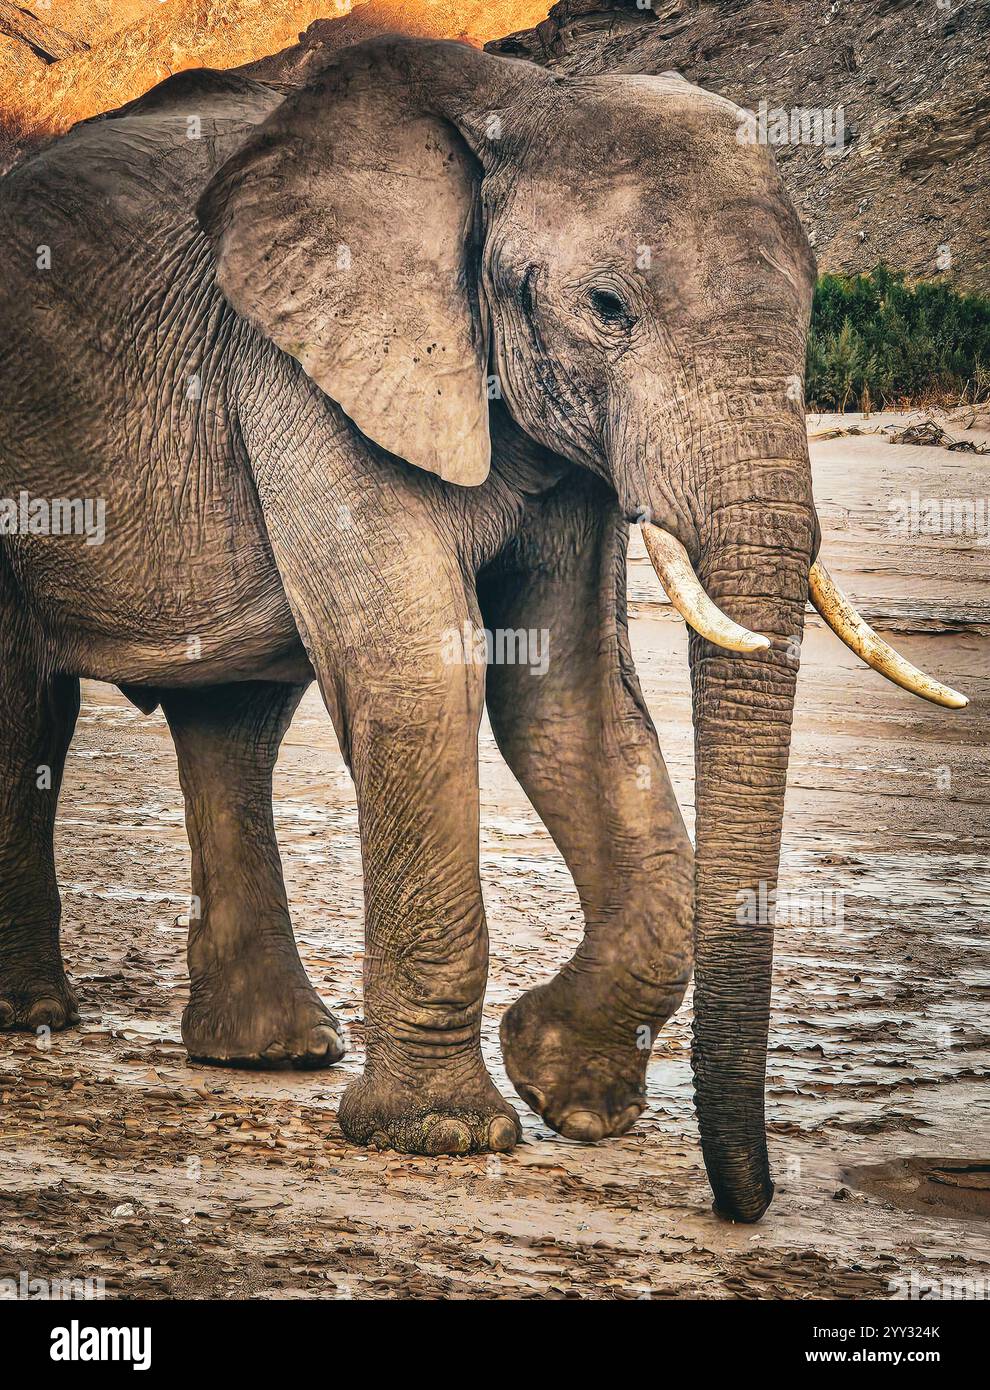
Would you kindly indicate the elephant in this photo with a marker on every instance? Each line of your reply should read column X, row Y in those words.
column 403, row 352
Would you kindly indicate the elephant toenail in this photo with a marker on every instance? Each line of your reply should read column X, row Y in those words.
column 448, row 1136
column 6, row 1014
column 325, row 1047
column 627, row 1119
column 583, row 1125
column 45, row 1012
column 502, row 1134
column 534, row 1098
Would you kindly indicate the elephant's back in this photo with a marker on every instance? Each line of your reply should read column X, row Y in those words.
column 113, row 181
column 104, row 253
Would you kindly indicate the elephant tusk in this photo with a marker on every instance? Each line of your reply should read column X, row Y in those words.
column 859, row 637
column 683, row 587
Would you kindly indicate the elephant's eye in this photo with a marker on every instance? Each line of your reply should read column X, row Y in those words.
column 610, row 309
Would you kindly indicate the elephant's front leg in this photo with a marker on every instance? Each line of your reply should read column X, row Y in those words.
column 583, row 746
column 413, row 742
column 379, row 596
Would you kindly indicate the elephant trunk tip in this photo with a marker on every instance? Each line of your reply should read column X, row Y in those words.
column 742, row 1186
column 744, row 1213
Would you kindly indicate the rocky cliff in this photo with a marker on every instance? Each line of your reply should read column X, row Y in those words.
column 911, row 78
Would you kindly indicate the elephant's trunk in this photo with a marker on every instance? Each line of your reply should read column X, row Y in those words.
column 755, row 551
column 746, row 605
column 755, row 566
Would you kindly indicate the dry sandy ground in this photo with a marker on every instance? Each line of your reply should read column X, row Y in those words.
column 120, row 1161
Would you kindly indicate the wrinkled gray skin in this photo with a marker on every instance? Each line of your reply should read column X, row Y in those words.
column 316, row 505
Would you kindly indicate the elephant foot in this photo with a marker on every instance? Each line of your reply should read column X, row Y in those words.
column 257, row 1021
column 40, row 999
column 583, row 1085
column 450, row 1118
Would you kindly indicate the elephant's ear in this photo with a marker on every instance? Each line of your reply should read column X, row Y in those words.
column 345, row 230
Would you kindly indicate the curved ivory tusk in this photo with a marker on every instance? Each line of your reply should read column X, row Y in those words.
column 683, row 587
column 859, row 637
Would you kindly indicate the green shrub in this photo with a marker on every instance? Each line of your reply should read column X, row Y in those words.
column 877, row 340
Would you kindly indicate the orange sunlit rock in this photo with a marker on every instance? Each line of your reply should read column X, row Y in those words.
column 135, row 43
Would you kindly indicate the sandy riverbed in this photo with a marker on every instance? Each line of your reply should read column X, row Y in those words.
column 120, row 1161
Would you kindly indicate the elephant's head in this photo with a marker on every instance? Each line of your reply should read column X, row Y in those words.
column 634, row 278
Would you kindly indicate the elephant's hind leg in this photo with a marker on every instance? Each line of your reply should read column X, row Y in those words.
column 37, row 717
column 250, row 1001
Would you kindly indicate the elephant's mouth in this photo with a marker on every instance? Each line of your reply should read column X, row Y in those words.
column 685, row 591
